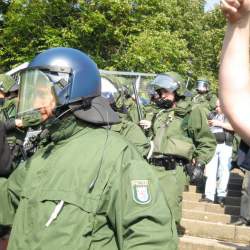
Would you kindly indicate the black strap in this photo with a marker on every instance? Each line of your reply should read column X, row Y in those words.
column 220, row 137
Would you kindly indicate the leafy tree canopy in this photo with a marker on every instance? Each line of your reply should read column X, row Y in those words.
column 135, row 35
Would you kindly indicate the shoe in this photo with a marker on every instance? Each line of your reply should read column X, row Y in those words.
column 241, row 222
column 180, row 229
column 220, row 200
column 204, row 199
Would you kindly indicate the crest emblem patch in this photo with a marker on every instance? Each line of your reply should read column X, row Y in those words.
column 140, row 191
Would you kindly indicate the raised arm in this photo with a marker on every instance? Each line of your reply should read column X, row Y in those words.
column 234, row 66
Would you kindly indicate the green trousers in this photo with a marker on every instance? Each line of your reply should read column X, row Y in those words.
column 173, row 184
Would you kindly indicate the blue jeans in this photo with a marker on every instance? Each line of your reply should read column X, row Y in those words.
column 218, row 169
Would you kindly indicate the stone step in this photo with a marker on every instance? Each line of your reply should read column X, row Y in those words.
column 190, row 196
column 235, row 192
column 219, row 231
column 210, row 207
column 234, row 186
column 192, row 189
column 196, row 243
column 236, row 176
column 210, row 217
column 236, row 180
column 234, row 201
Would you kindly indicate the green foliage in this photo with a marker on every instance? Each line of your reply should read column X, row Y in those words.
column 155, row 51
column 136, row 35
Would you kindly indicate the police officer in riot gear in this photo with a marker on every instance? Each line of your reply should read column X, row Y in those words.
column 14, row 135
column 182, row 140
column 8, row 159
column 85, row 186
column 8, row 94
column 202, row 85
column 130, row 130
column 203, row 96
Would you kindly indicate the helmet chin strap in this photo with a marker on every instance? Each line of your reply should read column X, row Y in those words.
column 60, row 111
column 57, row 117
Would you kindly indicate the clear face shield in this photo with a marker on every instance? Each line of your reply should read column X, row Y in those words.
column 109, row 91
column 38, row 96
column 152, row 93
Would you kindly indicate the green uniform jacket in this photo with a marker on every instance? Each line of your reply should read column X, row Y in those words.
column 132, row 109
column 183, row 121
column 8, row 110
column 207, row 100
column 15, row 136
column 134, row 134
column 103, row 196
column 203, row 139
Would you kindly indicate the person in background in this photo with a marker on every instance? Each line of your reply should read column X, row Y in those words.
column 203, row 96
column 130, row 130
column 85, row 187
column 220, row 165
column 182, row 141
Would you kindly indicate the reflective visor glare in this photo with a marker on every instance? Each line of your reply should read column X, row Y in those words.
column 35, row 91
column 201, row 84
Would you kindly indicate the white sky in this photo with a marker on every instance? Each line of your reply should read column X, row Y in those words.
column 210, row 4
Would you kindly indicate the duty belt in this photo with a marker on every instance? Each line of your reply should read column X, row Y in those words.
column 169, row 163
column 224, row 137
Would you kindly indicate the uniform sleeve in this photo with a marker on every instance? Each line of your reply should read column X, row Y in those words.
column 212, row 102
column 10, row 190
column 203, row 139
column 135, row 135
column 137, row 209
column 133, row 112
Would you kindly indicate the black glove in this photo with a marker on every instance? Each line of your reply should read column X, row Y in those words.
column 196, row 173
column 4, row 230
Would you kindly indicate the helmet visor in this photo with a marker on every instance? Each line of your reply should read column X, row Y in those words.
column 109, row 91
column 202, row 85
column 36, row 92
column 165, row 82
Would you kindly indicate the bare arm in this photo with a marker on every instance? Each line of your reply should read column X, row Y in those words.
column 217, row 123
column 234, row 70
column 227, row 126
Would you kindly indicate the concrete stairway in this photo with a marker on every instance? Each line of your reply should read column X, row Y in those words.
column 208, row 226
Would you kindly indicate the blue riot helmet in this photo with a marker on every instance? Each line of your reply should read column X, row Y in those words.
column 72, row 78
